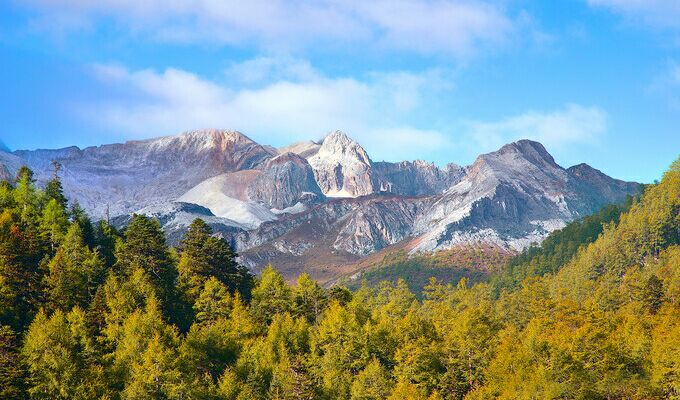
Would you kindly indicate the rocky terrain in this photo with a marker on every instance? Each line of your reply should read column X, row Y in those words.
column 322, row 207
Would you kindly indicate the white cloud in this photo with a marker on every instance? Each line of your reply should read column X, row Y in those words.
column 663, row 14
column 456, row 27
column 573, row 124
column 374, row 110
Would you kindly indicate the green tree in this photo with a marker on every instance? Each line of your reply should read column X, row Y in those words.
column 57, row 367
column 74, row 273
column 213, row 303
column 271, row 295
column 78, row 216
column 144, row 248
column 12, row 369
column 54, row 189
column 204, row 256
column 53, row 224
column 372, row 383
column 106, row 237
column 310, row 298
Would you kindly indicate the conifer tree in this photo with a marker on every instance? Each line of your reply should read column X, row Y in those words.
column 78, row 216
column 310, row 298
column 144, row 248
column 56, row 367
column 271, row 295
column 53, row 224
column 204, row 256
column 75, row 272
column 12, row 368
column 372, row 383
column 54, row 190
column 213, row 303
column 106, row 237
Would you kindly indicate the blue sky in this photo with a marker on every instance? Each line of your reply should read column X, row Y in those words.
column 595, row 81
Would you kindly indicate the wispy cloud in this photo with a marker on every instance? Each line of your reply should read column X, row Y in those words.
column 375, row 109
column 663, row 14
column 571, row 125
column 455, row 27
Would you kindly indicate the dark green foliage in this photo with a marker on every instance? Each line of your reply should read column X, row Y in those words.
column 106, row 237
column 12, row 370
column 78, row 215
column 653, row 294
column 144, row 248
column 203, row 256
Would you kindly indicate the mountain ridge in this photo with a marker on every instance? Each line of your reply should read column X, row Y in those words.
column 326, row 199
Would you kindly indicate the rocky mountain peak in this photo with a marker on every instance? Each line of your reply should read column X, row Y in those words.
column 529, row 150
column 524, row 161
column 198, row 141
column 342, row 167
column 338, row 143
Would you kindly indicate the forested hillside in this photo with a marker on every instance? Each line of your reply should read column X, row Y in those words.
column 88, row 312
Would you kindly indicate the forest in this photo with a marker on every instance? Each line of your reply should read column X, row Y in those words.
column 90, row 312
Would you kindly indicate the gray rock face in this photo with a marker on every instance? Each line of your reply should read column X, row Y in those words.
column 417, row 178
column 342, row 168
column 512, row 197
column 129, row 176
column 313, row 204
column 286, row 180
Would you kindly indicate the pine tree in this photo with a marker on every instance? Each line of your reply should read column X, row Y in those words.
column 144, row 248
column 372, row 383
column 12, row 369
column 106, row 237
column 55, row 365
column 271, row 295
column 310, row 298
column 204, row 256
column 78, row 216
column 213, row 303
column 53, row 224
column 75, row 272
column 54, row 189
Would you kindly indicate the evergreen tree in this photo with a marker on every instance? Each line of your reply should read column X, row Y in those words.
column 271, row 295
column 106, row 237
column 75, row 272
column 310, row 298
column 53, row 224
column 144, row 248
column 204, row 256
column 213, row 303
column 54, row 189
column 78, row 216
column 12, row 368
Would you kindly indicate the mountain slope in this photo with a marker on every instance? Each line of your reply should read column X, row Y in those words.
column 512, row 197
column 129, row 176
column 324, row 206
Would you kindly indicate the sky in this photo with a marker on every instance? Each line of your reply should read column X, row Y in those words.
column 595, row 81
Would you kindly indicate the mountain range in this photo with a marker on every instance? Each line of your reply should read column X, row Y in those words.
column 321, row 207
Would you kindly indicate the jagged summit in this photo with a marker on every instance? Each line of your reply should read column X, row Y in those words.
column 338, row 143
column 343, row 168
column 328, row 200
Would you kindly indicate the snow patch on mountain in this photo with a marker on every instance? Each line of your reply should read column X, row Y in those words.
column 214, row 194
